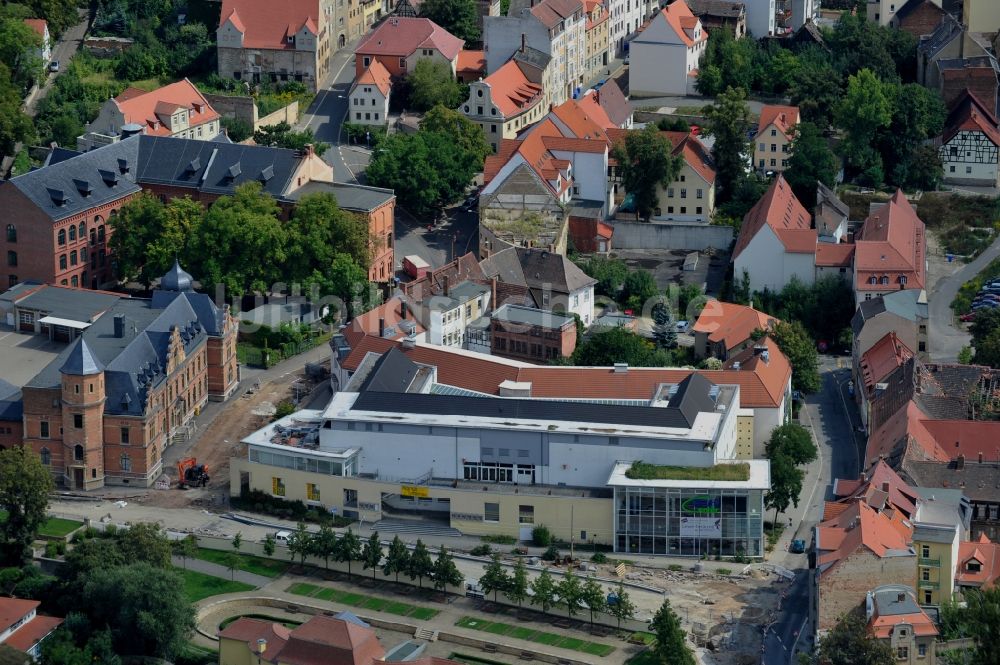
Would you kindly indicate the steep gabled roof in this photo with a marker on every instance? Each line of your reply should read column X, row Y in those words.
column 984, row 552
column 731, row 324
column 268, row 25
column 39, row 25
column 511, row 90
column 784, row 118
column 883, row 532
column 891, row 243
column 780, row 209
column 682, row 22
column 968, row 113
column 402, row 36
column 553, row 12
column 148, row 108
column 894, row 605
column 882, row 358
column 376, row 75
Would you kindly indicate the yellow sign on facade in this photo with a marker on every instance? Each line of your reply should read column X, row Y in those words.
column 413, row 490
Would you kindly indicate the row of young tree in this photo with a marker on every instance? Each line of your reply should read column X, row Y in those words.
column 242, row 243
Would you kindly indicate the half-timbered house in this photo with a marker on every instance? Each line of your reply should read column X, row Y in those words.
column 970, row 144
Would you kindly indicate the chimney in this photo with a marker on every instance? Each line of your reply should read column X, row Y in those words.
column 381, row 326
column 261, row 646
column 310, row 150
column 119, row 325
column 447, row 284
column 402, row 309
column 409, row 342
column 885, row 486
column 960, row 461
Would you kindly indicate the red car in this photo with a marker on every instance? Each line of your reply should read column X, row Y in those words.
column 967, row 317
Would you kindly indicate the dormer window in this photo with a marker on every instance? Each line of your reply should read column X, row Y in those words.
column 884, row 280
column 973, row 566
column 291, row 39
column 902, row 279
column 873, row 280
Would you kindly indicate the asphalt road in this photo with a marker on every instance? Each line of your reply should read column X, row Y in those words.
column 833, row 419
column 62, row 52
column 944, row 338
column 326, row 114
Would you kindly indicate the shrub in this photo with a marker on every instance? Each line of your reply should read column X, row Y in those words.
column 50, row 550
column 675, row 567
column 551, row 554
column 499, row 539
column 541, row 536
column 481, row 550
column 725, row 571
column 599, row 557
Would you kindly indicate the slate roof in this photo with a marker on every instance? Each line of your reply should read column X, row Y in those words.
column 108, row 175
column 81, row 361
column 976, row 481
column 67, row 302
column 909, row 304
column 393, row 372
column 357, row 198
column 536, row 269
column 948, row 29
column 11, row 406
column 895, row 606
column 720, row 8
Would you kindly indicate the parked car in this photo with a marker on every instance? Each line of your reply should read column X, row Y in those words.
column 54, row 66
column 984, row 305
column 798, row 546
column 282, row 537
column 965, row 318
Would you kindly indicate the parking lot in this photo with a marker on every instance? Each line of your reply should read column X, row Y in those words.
column 22, row 356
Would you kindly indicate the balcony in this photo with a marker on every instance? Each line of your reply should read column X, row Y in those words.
column 928, row 584
column 930, row 563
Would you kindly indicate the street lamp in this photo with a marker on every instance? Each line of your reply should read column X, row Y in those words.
column 368, row 139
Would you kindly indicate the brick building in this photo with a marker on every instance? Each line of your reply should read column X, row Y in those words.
column 103, row 411
column 918, row 17
column 535, row 335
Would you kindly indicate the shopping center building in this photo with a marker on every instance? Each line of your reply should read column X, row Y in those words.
column 397, row 443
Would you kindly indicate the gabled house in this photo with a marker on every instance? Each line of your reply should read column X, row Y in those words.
column 508, row 100
column 178, row 109
column 400, row 42
column 368, row 100
column 556, row 28
column 901, row 313
column 874, row 366
column 895, row 618
column 730, row 15
column 41, row 28
column 22, row 628
column 978, row 564
column 890, row 250
column 608, row 105
column 554, row 282
column 917, row 17
column 724, row 329
column 953, row 58
column 970, row 143
column 276, row 41
column 892, row 12
column 773, row 141
column 776, row 241
column 665, row 54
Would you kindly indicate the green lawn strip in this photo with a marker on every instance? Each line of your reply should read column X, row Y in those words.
column 423, row 613
column 251, row 564
column 378, row 604
column 596, row 649
column 57, row 527
column 303, row 589
column 198, row 586
column 570, row 643
column 355, row 599
column 469, row 622
column 547, row 638
column 402, row 609
column 498, row 628
column 647, row 638
column 522, row 633
column 325, row 594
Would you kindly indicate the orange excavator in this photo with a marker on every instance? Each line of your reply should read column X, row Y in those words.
column 191, row 474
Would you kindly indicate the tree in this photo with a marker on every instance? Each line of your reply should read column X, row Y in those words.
column 238, row 541
column 811, row 162
column 420, row 564
column 495, row 578
column 864, row 110
column 269, row 544
column 232, row 561
column 459, row 17
column 349, row 549
column 786, row 485
column 850, row 643
column 144, row 607
column 794, row 441
column 646, row 164
column 372, row 553
column 325, row 545
column 610, row 274
column 983, row 616
column 622, row 608
column 671, row 642
column 185, row 548
column 517, row 589
column 25, row 484
column 319, row 230
column 965, row 355
column 282, row 136
column 467, row 135
column 619, row 345
column 918, row 114
column 795, row 343
column 445, row 571
column 926, row 169
column 62, row 649
column 432, row 82
column 592, row 595
column 728, row 122
column 397, row 559
column 300, row 544
column 237, row 129
column 543, row 589
column 570, row 592
column 638, row 288
column 664, row 333
column 134, row 228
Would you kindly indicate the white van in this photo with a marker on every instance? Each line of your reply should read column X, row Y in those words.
column 282, row 537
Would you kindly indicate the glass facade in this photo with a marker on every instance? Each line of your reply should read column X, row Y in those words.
column 304, row 463
column 689, row 522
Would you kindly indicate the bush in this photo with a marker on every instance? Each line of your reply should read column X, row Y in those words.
column 481, row 550
column 724, row 571
column 260, row 502
column 675, row 567
column 50, row 550
column 551, row 554
column 499, row 539
column 541, row 536
column 599, row 557
column 237, row 130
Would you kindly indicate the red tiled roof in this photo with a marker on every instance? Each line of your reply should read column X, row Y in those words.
column 146, row 108
column 891, row 244
column 784, row 118
column 680, row 19
column 882, row 358
column 590, row 6
column 31, row 633
column 762, row 385
column 859, row 526
column 904, row 434
column 882, row 481
column 326, row 640
column 780, row 209
column 39, row 25
column 731, row 324
column 13, row 610
column 968, row 113
column 984, row 551
column 798, row 241
column 834, row 254
column 511, row 90
column 573, row 145
column 376, row 75
column 269, row 24
column 966, row 437
column 390, row 312
column 553, row 12
column 401, row 36
column 471, row 62
column 579, row 122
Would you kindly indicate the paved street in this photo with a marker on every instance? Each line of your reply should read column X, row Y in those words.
column 326, row 114
column 62, row 52
column 945, row 339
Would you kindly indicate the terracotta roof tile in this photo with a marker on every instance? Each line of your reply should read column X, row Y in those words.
column 148, row 108
column 471, row 61
column 861, row 526
column 987, row 554
column 401, row 36
column 39, row 25
column 376, row 75
column 968, row 113
column 553, row 12
column 390, row 312
column 881, row 359
column 13, row 609
column 890, row 244
column 269, row 24
column 729, row 323
column 511, row 90
column 778, row 208
column 28, row 635
column 784, row 118
column 680, row 19
column 834, row 254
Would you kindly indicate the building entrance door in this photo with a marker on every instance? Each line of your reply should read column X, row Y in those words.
column 78, row 478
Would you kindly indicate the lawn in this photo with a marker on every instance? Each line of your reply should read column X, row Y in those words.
column 198, row 586
column 363, row 601
column 57, row 527
column 644, row 471
column 541, row 637
column 251, row 564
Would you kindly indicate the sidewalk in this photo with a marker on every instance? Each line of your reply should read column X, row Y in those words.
column 215, row 570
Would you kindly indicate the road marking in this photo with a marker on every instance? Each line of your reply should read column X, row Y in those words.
column 326, row 91
column 798, row 634
column 819, row 455
column 850, row 422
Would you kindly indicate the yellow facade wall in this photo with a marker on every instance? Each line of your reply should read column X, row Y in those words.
column 582, row 518
column 939, row 568
column 237, row 652
column 744, row 437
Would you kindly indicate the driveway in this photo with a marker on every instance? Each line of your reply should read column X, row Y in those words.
column 944, row 337
column 62, row 52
